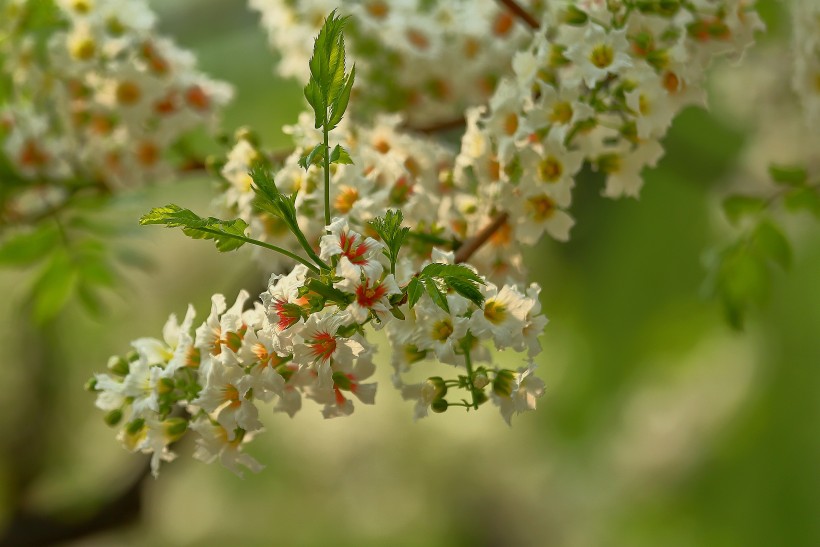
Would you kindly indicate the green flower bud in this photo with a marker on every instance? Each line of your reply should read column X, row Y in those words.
column 480, row 380
column 113, row 418
column 119, row 366
column 91, row 385
column 245, row 133
column 479, row 397
column 132, row 356
column 575, row 16
column 439, row 406
column 437, row 385
column 175, row 428
column 135, row 426
column 504, row 383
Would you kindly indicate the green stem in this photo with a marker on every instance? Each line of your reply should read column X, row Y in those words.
column 327, row 175
column 252, row 241
column 465, row 345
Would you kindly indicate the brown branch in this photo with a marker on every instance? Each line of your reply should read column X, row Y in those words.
column 472, row 245
column 514, row 8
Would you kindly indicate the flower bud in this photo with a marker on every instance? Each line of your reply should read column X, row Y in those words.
column 437, row 387
column 504, row 383
column 117, row 365
column 113, row 418
column 132, row 356
column 479, row 397
column 245, row 133
column 175, row 428
column 439, row 406
column 91, row 385
column 480, row 380
column 575, row 16
column 135, row 426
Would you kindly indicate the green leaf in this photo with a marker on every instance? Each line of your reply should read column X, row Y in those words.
column 437, row 270
column 27, row 248
column 771, row 242
column 328, row 292
column 789, row 175
column 737, row 207
column 803, row 199
column 414, row 291
column 53, row 287
column 437, row 295
column 340, row 155
column 314, row 157
column 467, row 289
column 339, row 105
column 229, row 235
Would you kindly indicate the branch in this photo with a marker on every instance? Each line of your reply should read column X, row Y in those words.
column 514, row 8
column 473, row 244
column 446, row 125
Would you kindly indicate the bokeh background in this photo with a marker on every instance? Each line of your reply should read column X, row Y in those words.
column 661, row 426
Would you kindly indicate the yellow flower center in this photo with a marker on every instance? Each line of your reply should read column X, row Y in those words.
column 550, row 169
column 602, row 55
column 442, row 330
column 494, row 312
column 561, row 113
column 541, row 208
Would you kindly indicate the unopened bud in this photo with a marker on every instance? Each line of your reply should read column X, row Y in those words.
column 132, row 356
column 117, row 365
column 439, row 406
column 437, row 387
column 114, row 417
column 175, row 428
column 91, row 385
column 480, row 380
column 575, row 16
column 479, row 397
column 134, row 427
column 503, row 383
column 245, row 133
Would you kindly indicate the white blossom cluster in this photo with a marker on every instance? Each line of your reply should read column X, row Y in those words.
column 285, row 348
column 98, row 98
column 599, row 84
column 391, row 169
column 443, row 56
column 806, row 15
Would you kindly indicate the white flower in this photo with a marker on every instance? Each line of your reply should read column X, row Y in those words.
column 599, row 54
column 525, row 390
column 317, row 341
column 216, row 442
column 503, row 316
column 362, row 252
column 224, row 396
column 371, row 294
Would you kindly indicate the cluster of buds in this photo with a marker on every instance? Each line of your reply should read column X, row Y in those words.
column 443, row 56
column 98, row 97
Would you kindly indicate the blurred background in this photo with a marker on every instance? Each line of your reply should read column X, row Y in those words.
column 660, row 426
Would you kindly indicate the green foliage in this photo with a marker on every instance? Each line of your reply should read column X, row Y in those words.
column 436, row 279
column 391, row 233
column 737, row 207
column 328, row 91
column 228, row 235
column 26, row 248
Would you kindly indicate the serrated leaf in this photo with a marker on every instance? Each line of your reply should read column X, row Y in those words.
column 770, row 241
column 314, row 157
column 27, row 248
column 228, row 235
column 414, row 291
column 803, row 199
column 436, row 295
column 339, row 105
column 438, row 270
column 467, row 289
column 738, row 206
column 341, row 156
column 788, row 175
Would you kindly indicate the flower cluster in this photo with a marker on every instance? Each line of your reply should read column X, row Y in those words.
column 305, row 338
column 599, row 84
column 449, row 54
column 99, row 96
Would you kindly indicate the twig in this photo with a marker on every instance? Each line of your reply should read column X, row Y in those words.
column 446, row 125
column 473, row 244
column 514, row 8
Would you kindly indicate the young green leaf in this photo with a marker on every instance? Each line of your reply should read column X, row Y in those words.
column 437, row 295
column 738, row 206
column 228, row 235
column 803, row 199
column 314, row 157
column 467, row 289
column 788, row 175
column 414, row 291
column 26, row 248
column 771, row 242
column 341, row 156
